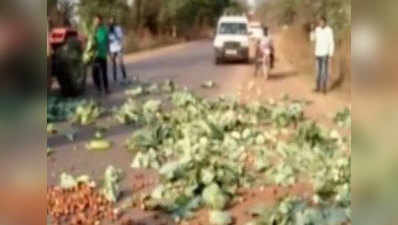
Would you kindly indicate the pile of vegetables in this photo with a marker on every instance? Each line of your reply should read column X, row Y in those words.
column 343, row 118
column 79, row 111
column 61, row 109
column 109, row 189
column 296, row 211
column 87, row 112
column 206, row 150
column 165, row 87
column 81, row 204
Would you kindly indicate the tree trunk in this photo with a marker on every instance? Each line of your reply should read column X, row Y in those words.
column 174, row 31
column 138, row 8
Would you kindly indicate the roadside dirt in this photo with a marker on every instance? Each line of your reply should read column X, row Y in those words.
column 297, row 80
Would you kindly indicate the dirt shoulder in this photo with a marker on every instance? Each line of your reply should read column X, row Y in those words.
column 294, row 75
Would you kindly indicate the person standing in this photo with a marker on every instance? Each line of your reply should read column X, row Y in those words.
column 324, row 50
column 116, row 49
column 268, row 38
column 100, row 71
column 265, row 52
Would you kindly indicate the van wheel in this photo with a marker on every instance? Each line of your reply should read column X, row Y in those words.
column 217, row 60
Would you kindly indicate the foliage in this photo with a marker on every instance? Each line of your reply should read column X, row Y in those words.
column 286, row 12
column 87, row 113
column 149, row 137
column 99, row 144
column 49, row 151
column 111, row 189
column 283, row 115
column 220, row 218
column 51, row 4
column 88, row 9
column 213, row 196
column 51, row 129
column 129, row 112
column 200, row 149
column 68, row 181
column 295, row 211
column 209, row 84
column 343, row 118
column 60, row 109
column 180, row 15
column 89, row 50
column 135, row 92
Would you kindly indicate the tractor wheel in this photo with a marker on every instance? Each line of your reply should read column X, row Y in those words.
column 49, row 73
column 70, row 69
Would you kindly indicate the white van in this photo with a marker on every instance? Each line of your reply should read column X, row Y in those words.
column 232, row 39
column 256, row 31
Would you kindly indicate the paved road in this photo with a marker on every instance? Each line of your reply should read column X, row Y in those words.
column 189, row 65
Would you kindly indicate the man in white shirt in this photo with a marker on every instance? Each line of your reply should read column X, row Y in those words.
column 324, row 50
column 116, row 49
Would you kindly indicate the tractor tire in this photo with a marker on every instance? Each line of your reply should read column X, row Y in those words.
column 69, row 68
column 217, row 60
column 49, row 73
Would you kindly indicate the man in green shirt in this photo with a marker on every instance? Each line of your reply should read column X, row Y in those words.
column 100, row 72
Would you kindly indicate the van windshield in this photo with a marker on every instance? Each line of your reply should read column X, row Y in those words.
column 233, row 28
column 257, row 31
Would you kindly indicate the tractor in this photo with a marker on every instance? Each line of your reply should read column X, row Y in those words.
column 65, row 61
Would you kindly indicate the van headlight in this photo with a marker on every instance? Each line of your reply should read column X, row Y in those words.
column 245, row 43
column 218, row 43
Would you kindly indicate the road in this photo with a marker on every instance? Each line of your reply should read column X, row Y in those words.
column 189, row 65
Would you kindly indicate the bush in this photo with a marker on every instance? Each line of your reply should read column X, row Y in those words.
column 287, row 12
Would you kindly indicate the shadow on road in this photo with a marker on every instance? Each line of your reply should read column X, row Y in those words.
column 281, row 75
column 233, row 63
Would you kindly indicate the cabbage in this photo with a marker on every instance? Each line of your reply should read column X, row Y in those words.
column 214, row 197
column 111, row 189
column 68, row 181
column 220, row 218
column 152, row 106
column 135, row 92
column 87, row 113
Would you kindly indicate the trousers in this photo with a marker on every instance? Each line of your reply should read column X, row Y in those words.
column 322, row 65
column 100, row 74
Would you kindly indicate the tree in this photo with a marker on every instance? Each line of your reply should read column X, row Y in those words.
column 51, row 4
column 338, row 12
column 66, row 9
column 88, row 9
column 184, row 15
